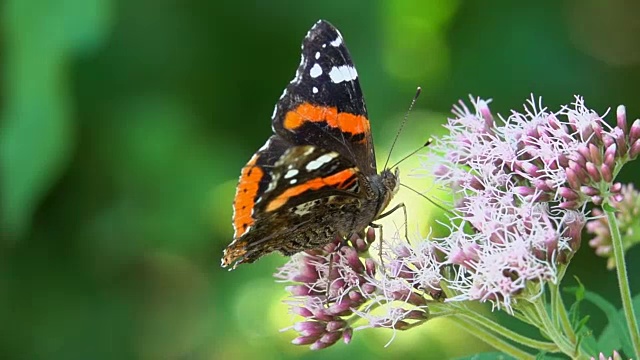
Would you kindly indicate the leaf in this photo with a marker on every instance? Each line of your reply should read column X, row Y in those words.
column 585, row 334
column 615, row 334
column 579, row 293
column 608, row 208
column 37, row 133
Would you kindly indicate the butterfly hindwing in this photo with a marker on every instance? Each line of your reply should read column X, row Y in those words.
column 306, row 186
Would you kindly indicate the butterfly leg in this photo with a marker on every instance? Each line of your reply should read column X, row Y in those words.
column 387, row 213
column 378, row 226
column 340, row 242
column 327, row 290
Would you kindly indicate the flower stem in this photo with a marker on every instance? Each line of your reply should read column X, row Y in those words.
column 491, row 339
column 623, row 279
column 507, row 333
column 548, row 327
column 560, row 313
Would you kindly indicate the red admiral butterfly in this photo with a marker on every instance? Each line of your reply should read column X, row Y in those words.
column 316, row 177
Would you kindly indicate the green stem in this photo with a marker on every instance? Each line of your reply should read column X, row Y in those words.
column 623, row 279
column 491, row 339
column 560, row 315
column 552, row 332
column 489, row 324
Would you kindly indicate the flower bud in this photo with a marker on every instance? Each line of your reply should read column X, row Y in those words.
column 484, row 111
column 589, row 190
column 635, row 150
column 608, row 140
column 572, row 179
column 583, row 150
column 336, row 325
column 610, row 155
column 595, row 154
column 568, row 193
column 347, row 335
column 530, row 169
column 304, row 340
column 569, row 205
column 607, row 175
column 616, row 187
column 592, row 170
column 621, row 118
column 634, row 132
column 310, row 328
column 326, row 340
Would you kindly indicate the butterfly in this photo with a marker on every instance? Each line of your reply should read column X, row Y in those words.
column 315, row 178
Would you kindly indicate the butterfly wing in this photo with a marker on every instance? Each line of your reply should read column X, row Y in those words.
column 292, row 203
column 308, row 182
column 323, row 105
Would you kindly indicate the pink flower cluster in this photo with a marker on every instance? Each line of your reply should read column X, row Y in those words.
column 519, row 191
column 334, row 287
column 519, row 188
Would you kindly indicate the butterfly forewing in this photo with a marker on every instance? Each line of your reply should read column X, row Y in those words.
column 323, row 105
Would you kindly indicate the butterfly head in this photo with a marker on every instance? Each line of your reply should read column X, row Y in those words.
column 390, row 185
column 390, row 180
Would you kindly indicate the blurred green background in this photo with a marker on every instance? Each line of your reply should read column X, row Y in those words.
column 124, row 125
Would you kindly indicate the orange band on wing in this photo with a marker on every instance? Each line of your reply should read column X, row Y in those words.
column 350, row 123
column 245, row 197
column 340, row 180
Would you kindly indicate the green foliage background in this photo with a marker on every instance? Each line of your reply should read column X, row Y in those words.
column 124, row 125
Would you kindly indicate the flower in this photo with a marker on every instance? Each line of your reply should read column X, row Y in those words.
column 334, row 287
column 628, row 210
column 520, row 186
column 602, row 356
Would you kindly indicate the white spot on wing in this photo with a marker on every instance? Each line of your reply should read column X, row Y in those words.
column 342, row 73
column 315, row 71
column 337, row 41
column 293, row 181
column 317, row 163
column 305, row 208
column 317, row 55
column 291, row 173
column 272, row 185
column 315, row 90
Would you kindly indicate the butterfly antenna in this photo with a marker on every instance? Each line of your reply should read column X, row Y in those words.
column 404, row 121
column 412, row 153
column 428, row 199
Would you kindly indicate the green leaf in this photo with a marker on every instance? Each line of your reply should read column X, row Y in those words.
column 615, row 334
column 585, row 334
column 608, row 208
column 37, row 132
column 574, row 310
